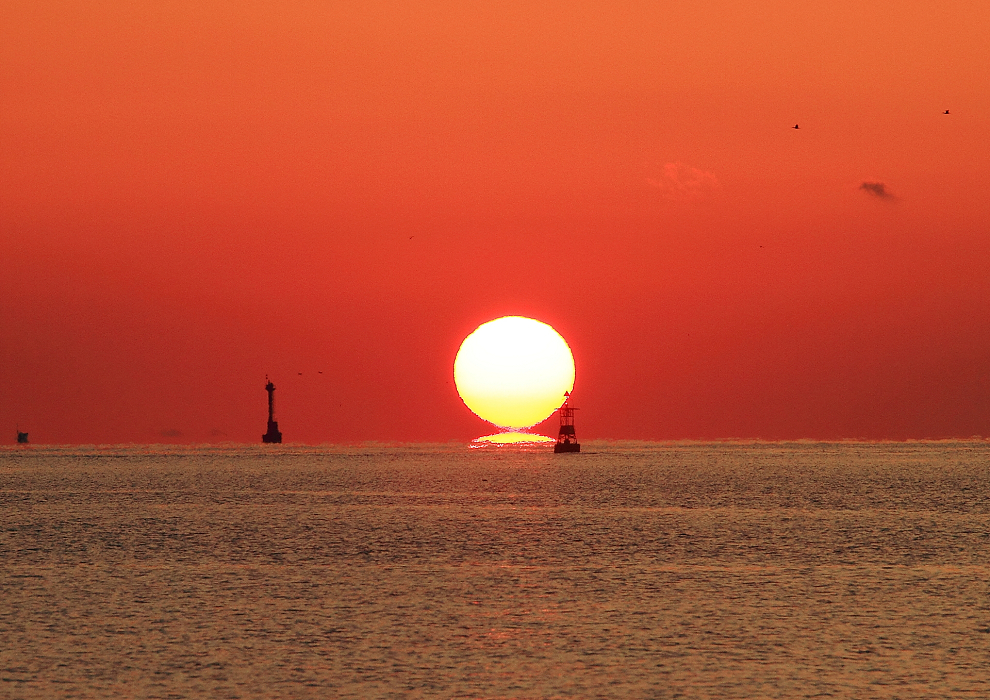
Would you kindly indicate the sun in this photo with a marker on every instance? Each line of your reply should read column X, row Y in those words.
column 513, row 371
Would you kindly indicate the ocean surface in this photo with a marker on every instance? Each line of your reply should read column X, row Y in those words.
column 631, row 570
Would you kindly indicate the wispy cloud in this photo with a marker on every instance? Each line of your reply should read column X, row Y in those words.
column 682, row 182
column 878, row 190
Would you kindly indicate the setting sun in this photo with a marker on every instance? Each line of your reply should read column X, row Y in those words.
column 513, row 371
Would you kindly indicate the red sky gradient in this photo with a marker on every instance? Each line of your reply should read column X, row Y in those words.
column 196, row 194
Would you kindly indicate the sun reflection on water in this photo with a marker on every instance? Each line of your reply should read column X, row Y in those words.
column 512, row 438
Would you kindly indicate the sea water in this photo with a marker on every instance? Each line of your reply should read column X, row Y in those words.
column 728, row 570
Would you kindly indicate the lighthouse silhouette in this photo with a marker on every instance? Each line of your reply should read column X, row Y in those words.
column 273, row 434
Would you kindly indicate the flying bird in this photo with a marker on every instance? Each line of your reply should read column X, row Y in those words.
column 945, row 112
column 795, row 127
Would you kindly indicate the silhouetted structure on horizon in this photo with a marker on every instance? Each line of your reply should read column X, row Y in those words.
column 22, row 438
column 273, row 435
column 566, row 439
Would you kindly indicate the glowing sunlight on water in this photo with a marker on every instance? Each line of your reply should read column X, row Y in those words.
column 514, row 438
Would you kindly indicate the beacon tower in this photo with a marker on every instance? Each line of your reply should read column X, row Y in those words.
column 273, row 434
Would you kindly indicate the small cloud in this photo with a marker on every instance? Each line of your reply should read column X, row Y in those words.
column 170, row 433
column 682, row 182
column 878, row 190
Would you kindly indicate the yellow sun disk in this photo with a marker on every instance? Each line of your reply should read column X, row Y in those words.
column 513, row 371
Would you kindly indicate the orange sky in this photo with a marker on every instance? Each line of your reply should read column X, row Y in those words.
column 195, row 194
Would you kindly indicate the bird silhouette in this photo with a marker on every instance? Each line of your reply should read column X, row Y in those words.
column 795, row 127
column 945, row 112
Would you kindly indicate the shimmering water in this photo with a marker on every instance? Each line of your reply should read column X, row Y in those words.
column 642, row 571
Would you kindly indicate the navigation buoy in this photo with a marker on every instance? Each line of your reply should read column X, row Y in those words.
column 566, row 439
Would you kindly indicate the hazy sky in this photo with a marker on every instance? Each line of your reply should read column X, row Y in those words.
column 196, row 194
